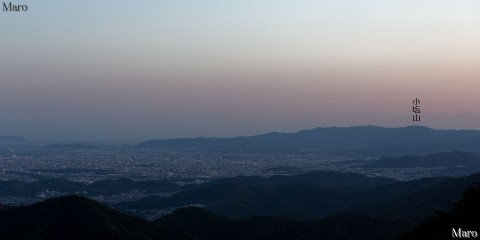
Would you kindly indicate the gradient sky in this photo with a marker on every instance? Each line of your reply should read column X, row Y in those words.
column 138, row 70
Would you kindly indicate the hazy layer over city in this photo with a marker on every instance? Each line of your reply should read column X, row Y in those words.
column 143, row 70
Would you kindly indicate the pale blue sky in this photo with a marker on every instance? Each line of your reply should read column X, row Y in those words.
column 118, row 70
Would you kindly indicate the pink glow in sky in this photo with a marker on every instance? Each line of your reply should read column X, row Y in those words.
column 100, row 71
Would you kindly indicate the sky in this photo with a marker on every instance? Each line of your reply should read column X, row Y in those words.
column 133, row 71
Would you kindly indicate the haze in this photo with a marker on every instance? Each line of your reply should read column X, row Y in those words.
column 117, row 70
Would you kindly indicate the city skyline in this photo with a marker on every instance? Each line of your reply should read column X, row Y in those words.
column 107, row 71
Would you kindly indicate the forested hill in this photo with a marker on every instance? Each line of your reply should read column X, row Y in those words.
column 74, row 217
column 80, row 218
column 460, row 223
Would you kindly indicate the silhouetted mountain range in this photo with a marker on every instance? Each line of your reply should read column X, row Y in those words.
column 393, row 208
column 370, row 140
column 306, row 196
column 75, row 217
column 436, row 194
column 79, row 218
column 412, row 201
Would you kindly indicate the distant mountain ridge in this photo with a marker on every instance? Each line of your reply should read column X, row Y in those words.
column 361, row 138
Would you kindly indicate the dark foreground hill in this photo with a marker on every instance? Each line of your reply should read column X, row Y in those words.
column 411, row 201
column 462, row 223
column 308, row 196
column 3, row 207
column 207, row 226
column 80, row 218
column 369, row 140
column 419, row 205
column 76, row 218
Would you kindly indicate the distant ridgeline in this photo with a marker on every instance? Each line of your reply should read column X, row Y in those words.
column 361, row 140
